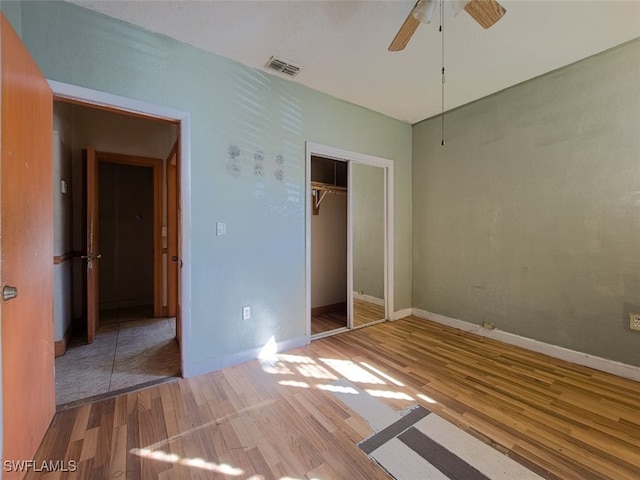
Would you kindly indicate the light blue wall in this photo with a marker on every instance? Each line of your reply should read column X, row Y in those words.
column 12, row 10
column 260, row 261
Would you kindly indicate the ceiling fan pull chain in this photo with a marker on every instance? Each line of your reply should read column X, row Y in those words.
column 443, row 76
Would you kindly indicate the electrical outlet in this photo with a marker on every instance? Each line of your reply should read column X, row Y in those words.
column 634, row 321
column 246, row 312
column 488, row 325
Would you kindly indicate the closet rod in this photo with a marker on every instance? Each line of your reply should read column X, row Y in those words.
column 319, row 191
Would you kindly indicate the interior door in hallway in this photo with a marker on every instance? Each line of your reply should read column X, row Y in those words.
column 173, row 251
column 93, row 253
column 28, row 388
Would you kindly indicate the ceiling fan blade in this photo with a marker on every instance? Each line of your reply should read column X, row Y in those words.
column 485, row 12
column 405, row 33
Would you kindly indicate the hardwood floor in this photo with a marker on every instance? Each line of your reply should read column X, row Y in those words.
column 363, row 314
column 275, row 421
column 366, row 312
column 327, row 321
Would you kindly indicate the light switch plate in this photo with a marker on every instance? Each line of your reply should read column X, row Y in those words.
column 63, row 186
column 221, row 228
column 634, row 321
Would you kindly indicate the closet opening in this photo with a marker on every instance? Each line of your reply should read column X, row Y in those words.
column 329, row 226
column 349, row 247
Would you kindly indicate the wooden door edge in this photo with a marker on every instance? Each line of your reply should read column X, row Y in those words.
column 172, row 231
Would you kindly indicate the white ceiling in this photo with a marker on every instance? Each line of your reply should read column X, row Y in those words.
column 342, row 45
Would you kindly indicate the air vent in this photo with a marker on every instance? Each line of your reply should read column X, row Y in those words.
column 282, row 66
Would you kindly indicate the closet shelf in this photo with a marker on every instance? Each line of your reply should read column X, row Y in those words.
column 327, row 187
column 319, row 190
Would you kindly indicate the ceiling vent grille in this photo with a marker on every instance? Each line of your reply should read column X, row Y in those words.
column 282, row 66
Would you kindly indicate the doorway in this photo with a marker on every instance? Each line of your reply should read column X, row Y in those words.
column 329, row 297
column 130, row 235
column 113, row 312
column 349, row 240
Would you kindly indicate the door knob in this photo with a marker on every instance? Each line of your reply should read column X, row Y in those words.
column 174, row 258
column 9, row 292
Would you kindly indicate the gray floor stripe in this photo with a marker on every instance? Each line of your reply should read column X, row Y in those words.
column 393, row 430
column 438, row 456
column 402, row 463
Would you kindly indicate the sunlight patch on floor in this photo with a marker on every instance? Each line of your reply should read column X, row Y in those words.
column 338, row 389
column 293, row 383
column 316, row 371
column 201, row 463
column 389, row 394
column 295, row 358
column 426, row 399
column 352, row 371
column 277, row 369
column 382, row 374
column 335, row 370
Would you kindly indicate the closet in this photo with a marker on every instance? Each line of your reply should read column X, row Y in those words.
column 329, row 228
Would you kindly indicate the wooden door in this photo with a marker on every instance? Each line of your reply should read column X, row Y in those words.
column 174, row 262
column 94, row 159
column 172, row 235
column 93, row 253
column 179, row 237
column 28, row 386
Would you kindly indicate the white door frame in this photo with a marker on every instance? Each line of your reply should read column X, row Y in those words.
column 364, row 159
column 97, row 98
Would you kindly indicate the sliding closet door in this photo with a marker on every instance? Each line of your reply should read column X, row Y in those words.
column 367, row 194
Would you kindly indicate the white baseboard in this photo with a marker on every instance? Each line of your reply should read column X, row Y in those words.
column 585, row 359
column 369, row 298
column 215, row 364
column 405, row 312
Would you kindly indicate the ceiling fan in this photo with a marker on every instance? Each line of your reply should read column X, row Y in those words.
column 485, row 12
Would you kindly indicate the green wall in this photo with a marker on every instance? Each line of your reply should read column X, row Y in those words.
column 529, row 217
column 261, row 260
column 367, row 194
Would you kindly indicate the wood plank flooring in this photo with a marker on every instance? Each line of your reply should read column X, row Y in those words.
column 275, row 421
column 363, row 314
column 366, row 312
column 327, row 321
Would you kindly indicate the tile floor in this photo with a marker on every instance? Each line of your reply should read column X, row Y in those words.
column 130, row 348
